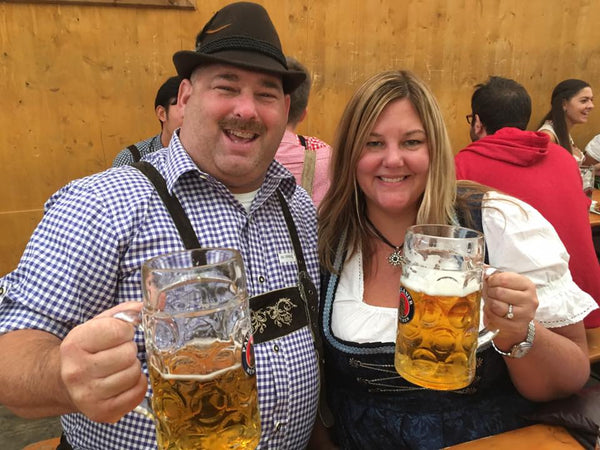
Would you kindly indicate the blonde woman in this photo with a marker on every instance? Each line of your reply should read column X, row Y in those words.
column 394, row 168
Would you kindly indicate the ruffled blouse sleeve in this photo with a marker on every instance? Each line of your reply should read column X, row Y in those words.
column 519, row 239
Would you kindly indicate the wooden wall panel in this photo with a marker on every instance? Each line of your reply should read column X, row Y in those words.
column 78, row 82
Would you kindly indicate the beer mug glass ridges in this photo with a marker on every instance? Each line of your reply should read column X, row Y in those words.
column 198, row 342
column 438, row 315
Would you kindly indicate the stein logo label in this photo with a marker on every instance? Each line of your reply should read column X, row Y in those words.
column 248, row 355
column 406, row 309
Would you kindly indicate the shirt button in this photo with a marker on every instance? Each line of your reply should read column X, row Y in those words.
column 261, row 279
column 279, row 425
column 276, row 348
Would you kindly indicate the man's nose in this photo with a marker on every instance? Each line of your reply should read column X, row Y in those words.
column 245, row 106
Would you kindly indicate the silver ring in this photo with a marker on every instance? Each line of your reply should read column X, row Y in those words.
column 509, row 315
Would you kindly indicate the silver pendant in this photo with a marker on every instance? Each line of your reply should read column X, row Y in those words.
column 395, row 259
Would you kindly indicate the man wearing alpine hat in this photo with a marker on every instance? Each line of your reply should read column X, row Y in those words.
column 64, row 354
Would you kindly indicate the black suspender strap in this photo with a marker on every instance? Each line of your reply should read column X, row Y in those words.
column 180, row 219
column 302, row 140
column 308, row 290
column 293, row 235
column 308, row 167
column 134, row 152
column 308, row 293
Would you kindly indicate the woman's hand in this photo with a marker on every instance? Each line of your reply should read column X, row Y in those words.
column 504, row 292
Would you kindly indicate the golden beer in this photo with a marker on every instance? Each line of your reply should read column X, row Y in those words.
column 214, row 411
column 437, row 337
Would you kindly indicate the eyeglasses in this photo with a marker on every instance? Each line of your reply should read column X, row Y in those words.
column 469, row 118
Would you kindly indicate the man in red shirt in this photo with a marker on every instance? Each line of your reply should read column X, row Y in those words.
column 526, row 165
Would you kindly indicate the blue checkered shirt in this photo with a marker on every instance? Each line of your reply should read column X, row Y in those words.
column 145, row 147
column 85, row 256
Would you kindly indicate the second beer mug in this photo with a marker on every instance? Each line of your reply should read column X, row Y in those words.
column 198, row 343
column 440, row 297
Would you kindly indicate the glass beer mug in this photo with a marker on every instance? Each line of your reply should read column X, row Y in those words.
column 198, row 338
column 440, row 297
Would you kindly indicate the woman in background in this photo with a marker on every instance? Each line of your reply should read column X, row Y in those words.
column 572, row 102
column 394, row 168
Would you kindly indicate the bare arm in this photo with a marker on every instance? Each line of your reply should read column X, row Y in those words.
column 551, row 135
column 94, row 370
column 591, row 161
column 557, row 364
column 30, row 383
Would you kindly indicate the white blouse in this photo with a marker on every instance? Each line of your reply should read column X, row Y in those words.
column 518, row 239
column 575, row 151
column 593, row 148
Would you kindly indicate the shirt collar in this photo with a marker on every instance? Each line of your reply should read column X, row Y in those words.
column 177, row 162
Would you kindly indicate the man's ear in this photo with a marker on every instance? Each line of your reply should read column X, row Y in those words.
column 184, row 93
column 161, row 113
column 303, row 115
column 478, row 127
column 288, row 100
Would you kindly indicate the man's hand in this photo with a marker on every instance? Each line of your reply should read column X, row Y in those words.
column 100, row 369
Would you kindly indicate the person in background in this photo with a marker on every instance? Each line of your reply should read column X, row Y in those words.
column 592, row 157
column 170, row 116
column 394, row 168
column 306, row 157
column 571, row 103
column 63, row 352
column 525, row 165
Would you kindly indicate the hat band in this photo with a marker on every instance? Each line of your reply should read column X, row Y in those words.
column 245, row 44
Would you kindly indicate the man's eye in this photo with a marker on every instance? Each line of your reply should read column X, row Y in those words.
column 226, row 88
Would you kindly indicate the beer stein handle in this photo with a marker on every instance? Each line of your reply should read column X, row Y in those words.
column 129, row 316
column 135, row 319
column 484, row 340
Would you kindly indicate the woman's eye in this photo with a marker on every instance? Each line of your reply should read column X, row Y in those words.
column 413, row 143
column 373, row 144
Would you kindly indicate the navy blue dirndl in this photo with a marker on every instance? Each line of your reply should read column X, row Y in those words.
column 375, row 408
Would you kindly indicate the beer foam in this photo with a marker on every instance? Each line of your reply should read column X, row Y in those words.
column 198, row 377
column 443, row 283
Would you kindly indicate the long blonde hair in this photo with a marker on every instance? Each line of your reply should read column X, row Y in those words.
column 343, row 207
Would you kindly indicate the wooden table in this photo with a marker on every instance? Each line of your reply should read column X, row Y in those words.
column 595, row 218
column 593, row 341
column 538, row 437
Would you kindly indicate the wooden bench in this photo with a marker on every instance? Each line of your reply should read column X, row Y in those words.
column 593, row 341
column 539, row 437
column 48, row 444
column 18, row 433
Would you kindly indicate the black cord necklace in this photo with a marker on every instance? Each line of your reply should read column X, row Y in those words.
column 395, row 258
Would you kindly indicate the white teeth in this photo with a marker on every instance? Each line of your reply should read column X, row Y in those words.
column 241, row 134
column 392, row 180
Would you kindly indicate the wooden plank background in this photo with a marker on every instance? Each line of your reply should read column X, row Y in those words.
column 78, row 82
